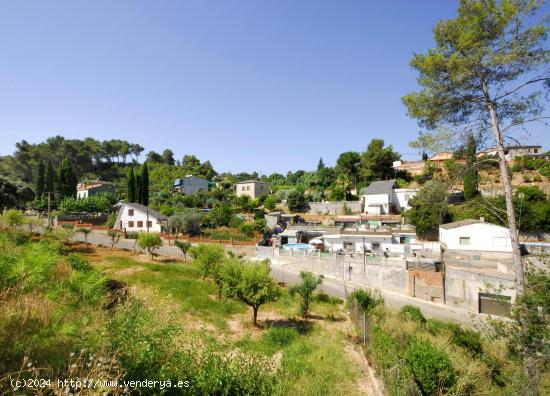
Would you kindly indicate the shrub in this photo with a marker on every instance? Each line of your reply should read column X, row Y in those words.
column 466, row 338
column 247, row 229
column 12, row 218
column 431, row 367
column 270, row 202
column 366, row 299
column 19, row 237
column 89, row 287
column 78, row 263
column 208, row 258
column 398, row 378
column 413, row 313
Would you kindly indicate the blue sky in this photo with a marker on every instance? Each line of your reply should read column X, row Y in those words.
column 261, row 85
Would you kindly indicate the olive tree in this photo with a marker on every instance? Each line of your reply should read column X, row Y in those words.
column 149, row 241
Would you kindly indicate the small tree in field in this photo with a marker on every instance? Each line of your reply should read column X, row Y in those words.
column 150, row 242
column 67, row 231
column 84, row 231
column 256, row 287
column 305, row 290
column 32, row 223
column 13, row 218
column 184, row 246
column 208, row 258
column 114, row 238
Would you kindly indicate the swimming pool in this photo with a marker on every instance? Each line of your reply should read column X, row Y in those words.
column 297, row 246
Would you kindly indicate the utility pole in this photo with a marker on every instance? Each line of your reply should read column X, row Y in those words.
column 147, row 220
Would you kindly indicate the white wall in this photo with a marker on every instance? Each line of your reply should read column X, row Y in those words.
column 401, row 197
column 124, row 220
column 377, row 199
column 483, row 237
column 253, row 190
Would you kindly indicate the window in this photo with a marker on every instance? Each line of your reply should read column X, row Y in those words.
column 130, row 224
column 243, row 188
column 536, row 151
column 500, row 241
column 465, row 240
column 494, row 304
column 248, row 188
column 149, row 223
column 140, row 224
column 130, row 212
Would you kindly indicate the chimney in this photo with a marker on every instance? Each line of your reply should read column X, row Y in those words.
column 482, row 219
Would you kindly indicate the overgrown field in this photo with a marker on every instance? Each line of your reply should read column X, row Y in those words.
column 70, row 312
column 418, row 356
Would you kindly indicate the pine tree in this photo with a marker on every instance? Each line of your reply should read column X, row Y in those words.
column 145, row 184
column 131, row 186
column 471, row 177
column 40, row 181
column 67, row 180
column 49, row 185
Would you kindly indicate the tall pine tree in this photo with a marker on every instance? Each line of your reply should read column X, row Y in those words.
column 49, row 185
column 471, row 177
column 131, row 186
column 139, row 189
column 145, row 184
column 40, row 181
column 67, row 180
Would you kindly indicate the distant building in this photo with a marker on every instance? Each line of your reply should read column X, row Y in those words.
column 138, row 217
column 252, row 188
column 88, row 188
column 442, row 156
column 382, row 198
column 190, row 185
column 413, row 167
column 475, row 235
column 513, row 152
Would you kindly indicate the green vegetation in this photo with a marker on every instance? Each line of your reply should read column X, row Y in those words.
column 305, row 290
column 149, row 241
column 68, row 317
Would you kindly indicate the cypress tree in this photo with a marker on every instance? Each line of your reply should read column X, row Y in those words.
column 471, row 177
column 139, row 189
column 131, row 186
column 40, row 181
column 145, row 184
column 49, row 185
column 67, row 179
column 424, row 156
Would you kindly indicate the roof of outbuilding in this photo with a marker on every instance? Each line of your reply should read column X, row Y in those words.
column 379, row 187
column 466, row 222
column 142, row 208
column 251, row 181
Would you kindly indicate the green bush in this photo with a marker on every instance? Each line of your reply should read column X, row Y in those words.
column 19, row 237
column 247, row 229
column 431, row 367
column 78, row 263
column 366, row 299
column 397, row 376
column 88, row 287
column 466, row 338
column 413, row 313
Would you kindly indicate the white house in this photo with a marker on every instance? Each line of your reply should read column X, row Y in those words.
column 138, row 217
column 252, row 188
column 190, row 184
column 475, row 235
column 88, row 188
column 381, row 197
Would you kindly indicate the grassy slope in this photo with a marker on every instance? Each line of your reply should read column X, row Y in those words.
column 313, row 357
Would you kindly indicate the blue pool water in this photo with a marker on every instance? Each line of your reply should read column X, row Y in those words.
column 297, row 246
